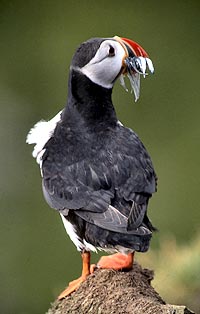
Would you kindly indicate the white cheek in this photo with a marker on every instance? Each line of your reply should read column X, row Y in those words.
column 105, row 72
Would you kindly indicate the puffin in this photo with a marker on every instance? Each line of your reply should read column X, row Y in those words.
column 96, row 172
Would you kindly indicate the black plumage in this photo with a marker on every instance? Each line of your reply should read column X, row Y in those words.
column 96, row 172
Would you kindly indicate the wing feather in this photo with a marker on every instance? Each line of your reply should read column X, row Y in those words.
column 106, row 182
column 112, row 219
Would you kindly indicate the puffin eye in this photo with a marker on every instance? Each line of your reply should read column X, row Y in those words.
column 111, row 51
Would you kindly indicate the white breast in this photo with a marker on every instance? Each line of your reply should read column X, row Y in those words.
column 40, row 134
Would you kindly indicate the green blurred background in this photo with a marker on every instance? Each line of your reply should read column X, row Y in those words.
column 37, row 41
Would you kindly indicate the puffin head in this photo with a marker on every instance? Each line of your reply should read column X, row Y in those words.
column 103, row 60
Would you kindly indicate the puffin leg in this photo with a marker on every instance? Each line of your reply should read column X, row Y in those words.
column 116, row 261
column 74, row 285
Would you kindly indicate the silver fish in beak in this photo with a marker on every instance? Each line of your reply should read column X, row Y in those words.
column 136, row 63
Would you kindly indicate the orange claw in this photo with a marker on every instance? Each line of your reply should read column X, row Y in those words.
column 74, row 285
column 116, row 261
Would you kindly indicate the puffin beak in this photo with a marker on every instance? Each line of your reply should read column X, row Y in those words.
column 135, row 62
column 136, row 58
column 135, row 48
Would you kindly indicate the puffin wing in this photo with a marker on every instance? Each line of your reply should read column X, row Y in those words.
column 110, row 189
column 113, row 220
column 78, row 186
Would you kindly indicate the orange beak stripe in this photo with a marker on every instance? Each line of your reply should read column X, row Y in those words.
column 135, row 47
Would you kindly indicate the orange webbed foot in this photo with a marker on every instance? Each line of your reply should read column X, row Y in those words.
column 116, row 261
column 73, row 286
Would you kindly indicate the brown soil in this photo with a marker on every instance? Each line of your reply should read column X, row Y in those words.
column 114, row 292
